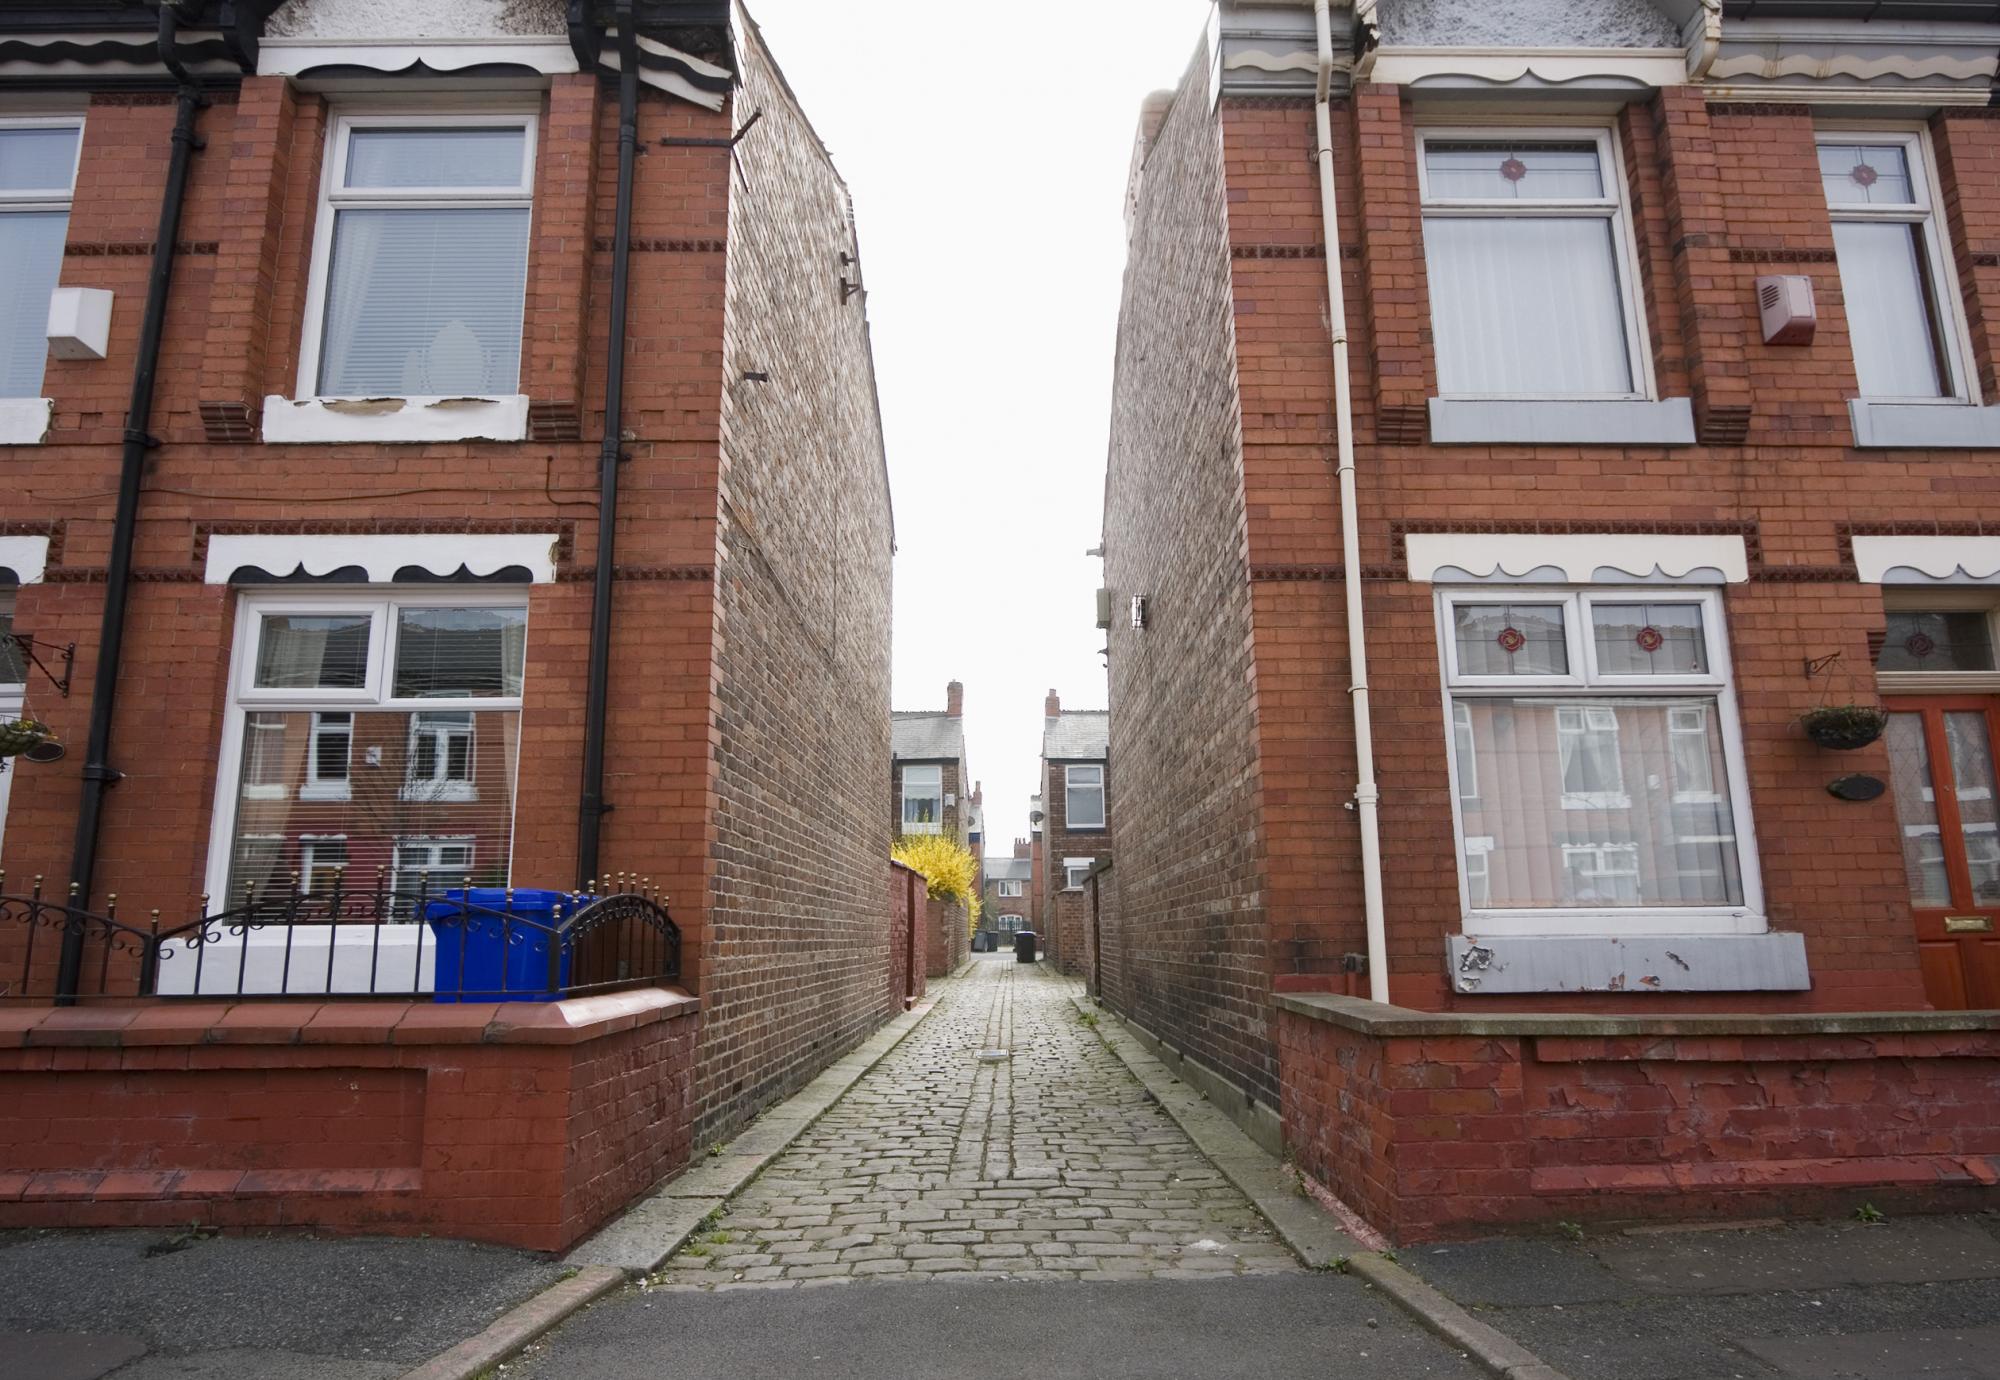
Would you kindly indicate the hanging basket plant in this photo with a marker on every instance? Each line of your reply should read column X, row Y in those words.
column 1844, row 727
column 23, row 735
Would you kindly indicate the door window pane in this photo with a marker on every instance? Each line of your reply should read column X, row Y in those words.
column 1916, row 811
column 447, row 653
column 1972, row 782
column 1585, row 806
column 425, row 302
column 1891, row 310
column 1649, row 639
column 1937, row 641
column 1527, row 305
column 1510, row 639
column 315, row 651
column 429, row 157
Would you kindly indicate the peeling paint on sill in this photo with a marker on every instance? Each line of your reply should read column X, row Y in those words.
column 393, row 421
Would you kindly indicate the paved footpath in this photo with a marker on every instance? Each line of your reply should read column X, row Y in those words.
column 1000, row 1140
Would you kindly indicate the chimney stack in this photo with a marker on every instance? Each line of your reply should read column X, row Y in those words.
column 1021, row 847
column 1052, row 707
column 954, row 699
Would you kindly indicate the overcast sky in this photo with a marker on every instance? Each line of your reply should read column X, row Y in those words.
column 987, row 147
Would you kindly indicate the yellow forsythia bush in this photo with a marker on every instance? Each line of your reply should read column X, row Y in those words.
column 948, row 865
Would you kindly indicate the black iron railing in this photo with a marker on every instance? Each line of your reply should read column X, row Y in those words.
column 442, row 943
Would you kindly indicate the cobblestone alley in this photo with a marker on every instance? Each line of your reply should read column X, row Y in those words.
column 1051, row 1162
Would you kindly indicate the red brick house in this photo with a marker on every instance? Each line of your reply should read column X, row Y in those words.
column 927, row 795
column 1470, row 841
column 1012, row 903
column 1076, row 825
column 481, row 329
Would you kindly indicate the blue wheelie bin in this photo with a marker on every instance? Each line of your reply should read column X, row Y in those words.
column 484, row 956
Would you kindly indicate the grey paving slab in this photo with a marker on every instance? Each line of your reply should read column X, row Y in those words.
column 1807, row 1256
column 1971, row 1354
column 1294, row 1326
column 364, row 1304
column 61, row 1356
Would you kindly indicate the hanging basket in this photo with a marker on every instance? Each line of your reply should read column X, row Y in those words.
column 1844, row 727
column 23, row 735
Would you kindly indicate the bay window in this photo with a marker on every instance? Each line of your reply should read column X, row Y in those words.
column 1528, row 249
column 923, row 799
column 421, row 261
column 1596, row 764
column 1893, row 274
column 37, row 176
column 372, row 736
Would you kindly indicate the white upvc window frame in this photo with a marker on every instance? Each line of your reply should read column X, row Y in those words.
column 315, row 786
column 440, row 785
column 1614, row 206
column 13, row 700
column 1073, row 866
column 335, row 197
column 1927, row 212
column 936, row 826
column 435, row 843
column 1070, row 785
column 310, row 847
column 381, row 604
column 1717, row 680
column 24, row 419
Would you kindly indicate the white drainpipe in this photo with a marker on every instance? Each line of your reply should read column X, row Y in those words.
column 1366, row 797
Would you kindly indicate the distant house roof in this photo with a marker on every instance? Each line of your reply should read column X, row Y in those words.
column 1009, row 870
column 926, row 736
column 1077, row 735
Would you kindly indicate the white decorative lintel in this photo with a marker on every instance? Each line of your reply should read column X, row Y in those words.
column 292, row 57
column 442, row 554
column 1576, row 558
column 1927, row 560
column 1415, row 66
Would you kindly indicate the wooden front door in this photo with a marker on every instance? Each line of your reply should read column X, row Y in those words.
column 1942, row 752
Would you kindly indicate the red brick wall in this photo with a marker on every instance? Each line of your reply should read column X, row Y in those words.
column 947, row 937
column 527, row 1125
column 909, row 959
column 1440, row 1134
column 1063, row 910
column 1719, row 195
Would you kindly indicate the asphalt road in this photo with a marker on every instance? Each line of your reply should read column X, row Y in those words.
column 1273, row 1327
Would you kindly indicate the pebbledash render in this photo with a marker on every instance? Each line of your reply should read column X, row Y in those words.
column 367, row 542
column 1673, row 343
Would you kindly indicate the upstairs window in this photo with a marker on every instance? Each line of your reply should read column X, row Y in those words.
column 421, row 268
column 1893, row 274
column 1010, row 888
column 1529, row 254
column 1076, row 871
column 923, row 800
column 1597, row 767
column 1083, row 804
column 37, row 176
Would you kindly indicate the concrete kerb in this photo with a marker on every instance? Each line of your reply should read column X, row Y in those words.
column 640, row 1240
column 1299, row 1222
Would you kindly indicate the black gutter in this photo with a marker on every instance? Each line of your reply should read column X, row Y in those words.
column 591, row 806
column 98, row 773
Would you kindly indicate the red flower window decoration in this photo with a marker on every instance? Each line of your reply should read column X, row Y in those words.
column 1511, row 640
column 1920, row 645
column 1864, row 176
column 1650, row 640
column 1513, row 170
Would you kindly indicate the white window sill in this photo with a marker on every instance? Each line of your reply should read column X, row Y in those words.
column 1489, row 963
column 1595, row 800
column 393, row 421
column 923, row 828
column 1923, row 425
column 442, row 793
column 275, row 792
column 1535, row 421
column 25, row 421
column 338, row 791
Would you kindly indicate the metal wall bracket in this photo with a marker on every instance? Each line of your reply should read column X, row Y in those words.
column 65, row 653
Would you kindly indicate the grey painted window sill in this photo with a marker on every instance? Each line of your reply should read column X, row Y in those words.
column 1490, row 421
column 1770, row 962
column 1923, row 426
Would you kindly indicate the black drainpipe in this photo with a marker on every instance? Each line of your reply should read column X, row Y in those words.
column 98, row 773
column 591, row 806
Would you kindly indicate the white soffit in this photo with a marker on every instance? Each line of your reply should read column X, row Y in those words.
column 281, row 555
column 1575, row 558
column 27, row 557
column 292, row 57
column 1629, row 67
column 1927, row 560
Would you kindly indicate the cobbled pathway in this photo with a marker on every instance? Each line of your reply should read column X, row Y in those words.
column 1050, row 1163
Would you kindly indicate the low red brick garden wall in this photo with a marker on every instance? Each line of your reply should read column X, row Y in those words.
column 1435, row 1125
column 948, row 946
column 908, row 963
column 522, row 1124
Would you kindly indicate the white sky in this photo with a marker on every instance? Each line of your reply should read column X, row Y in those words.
column 987, row 148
